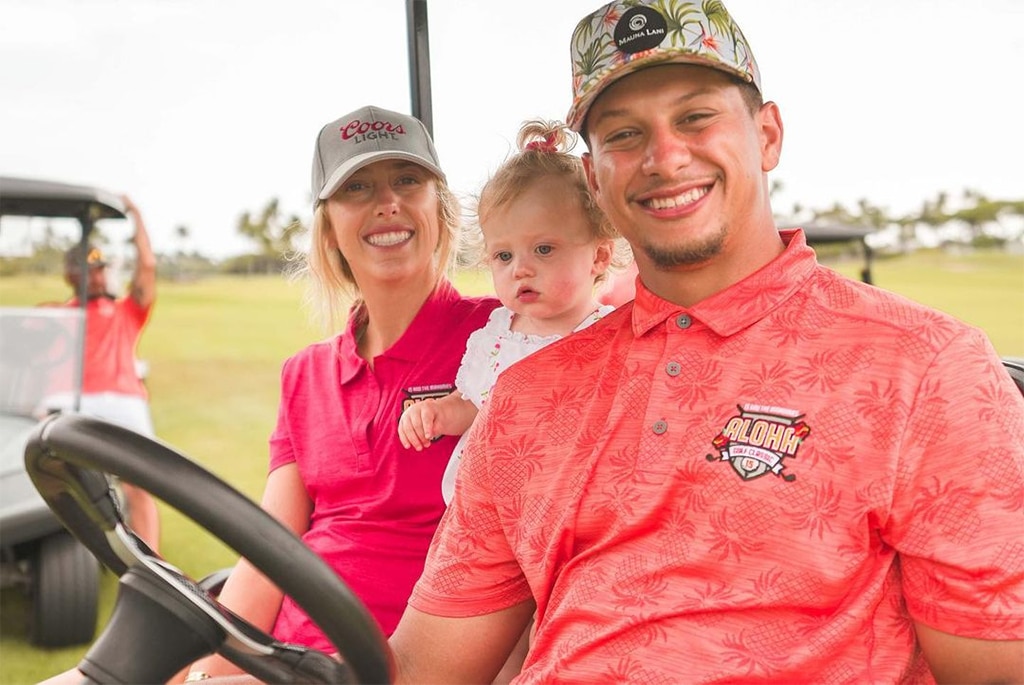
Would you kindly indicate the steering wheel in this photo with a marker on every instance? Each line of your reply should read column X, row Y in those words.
column 163, row 620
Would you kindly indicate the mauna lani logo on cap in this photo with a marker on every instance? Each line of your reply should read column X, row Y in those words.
column 639, row 29
column 358, row 131
column 626, row 35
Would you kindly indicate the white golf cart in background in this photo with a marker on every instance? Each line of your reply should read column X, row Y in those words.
column 41, row 364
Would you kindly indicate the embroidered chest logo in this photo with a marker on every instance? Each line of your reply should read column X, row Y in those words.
column 757, row 440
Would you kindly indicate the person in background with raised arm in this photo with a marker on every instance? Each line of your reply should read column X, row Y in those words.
column 112, row 389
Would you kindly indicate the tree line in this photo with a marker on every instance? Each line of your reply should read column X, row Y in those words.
column 986, row 222
column 275, row 236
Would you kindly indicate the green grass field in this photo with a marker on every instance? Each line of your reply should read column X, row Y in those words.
column 215, row 349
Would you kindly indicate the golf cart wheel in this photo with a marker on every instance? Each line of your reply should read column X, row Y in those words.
column 65, row 589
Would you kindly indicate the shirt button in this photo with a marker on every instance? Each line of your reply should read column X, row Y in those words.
column 684, row 321
column 659, row 427
column 673, row 368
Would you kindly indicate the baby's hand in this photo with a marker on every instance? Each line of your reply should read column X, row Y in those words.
column 418, row 425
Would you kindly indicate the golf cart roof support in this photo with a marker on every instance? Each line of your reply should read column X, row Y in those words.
column 419, row 62
column 88, row 223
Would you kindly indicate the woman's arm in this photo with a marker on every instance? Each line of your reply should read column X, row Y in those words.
column 247, row 592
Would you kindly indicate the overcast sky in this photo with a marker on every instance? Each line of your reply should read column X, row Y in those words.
column 203, row 109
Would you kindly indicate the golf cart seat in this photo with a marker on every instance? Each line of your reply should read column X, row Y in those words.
column 1015, row 367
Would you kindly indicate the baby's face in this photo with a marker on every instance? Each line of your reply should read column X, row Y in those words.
column 543, row 259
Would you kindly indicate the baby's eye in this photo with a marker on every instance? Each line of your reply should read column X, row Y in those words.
column 503, row 256
column 544, row 249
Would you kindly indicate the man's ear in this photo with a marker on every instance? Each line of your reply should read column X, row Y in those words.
column 769, row 121
column 588, row 168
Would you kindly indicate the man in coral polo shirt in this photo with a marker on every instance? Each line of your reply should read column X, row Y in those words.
column 759, row 470
column 111, row 387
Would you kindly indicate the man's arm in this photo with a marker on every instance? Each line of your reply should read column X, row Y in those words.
column 433, row 649
column 961, row 660
column 143, row 287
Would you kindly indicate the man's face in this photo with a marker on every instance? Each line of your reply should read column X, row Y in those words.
column 677, row 162
column 97, row 285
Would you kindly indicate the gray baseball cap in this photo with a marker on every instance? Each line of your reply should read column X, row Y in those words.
column 367, row 135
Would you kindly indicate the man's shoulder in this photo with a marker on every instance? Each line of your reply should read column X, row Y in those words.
column 129, row 302
column 878, row 308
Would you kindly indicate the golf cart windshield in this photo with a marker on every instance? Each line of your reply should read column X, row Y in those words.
column 42, row 348
column 38, row 355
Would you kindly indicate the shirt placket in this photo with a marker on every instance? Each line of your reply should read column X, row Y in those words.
column 662, row 424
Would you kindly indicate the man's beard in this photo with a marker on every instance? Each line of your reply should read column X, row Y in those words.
column 686, row 255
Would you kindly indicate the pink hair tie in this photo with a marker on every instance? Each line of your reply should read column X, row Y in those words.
column 545, row 145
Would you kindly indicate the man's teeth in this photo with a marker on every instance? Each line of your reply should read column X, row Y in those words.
column 388, row 239
column 684, row 199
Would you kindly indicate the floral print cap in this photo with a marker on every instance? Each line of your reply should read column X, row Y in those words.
column 628, row 35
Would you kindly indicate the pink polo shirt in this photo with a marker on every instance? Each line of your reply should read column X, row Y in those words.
column 375, row 504
column 769, row 486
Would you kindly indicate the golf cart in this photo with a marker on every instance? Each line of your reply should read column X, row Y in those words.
column 60, row 517
column 41, row 364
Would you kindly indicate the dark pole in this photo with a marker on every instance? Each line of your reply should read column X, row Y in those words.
column 419, row 62
column 87, row 220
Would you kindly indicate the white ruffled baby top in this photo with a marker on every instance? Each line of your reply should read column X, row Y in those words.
column 489, row 351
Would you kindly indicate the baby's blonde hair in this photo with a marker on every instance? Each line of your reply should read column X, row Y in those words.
column 544, row 152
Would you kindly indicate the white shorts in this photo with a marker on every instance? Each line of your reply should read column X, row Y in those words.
column 130, row 411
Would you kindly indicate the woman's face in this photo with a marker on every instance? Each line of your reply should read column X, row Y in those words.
column 385, row 221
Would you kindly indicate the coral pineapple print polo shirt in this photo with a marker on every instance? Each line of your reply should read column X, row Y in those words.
column 770, row 486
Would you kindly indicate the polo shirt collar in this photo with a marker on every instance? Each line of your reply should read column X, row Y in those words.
column 741, row 304
column 413, row 343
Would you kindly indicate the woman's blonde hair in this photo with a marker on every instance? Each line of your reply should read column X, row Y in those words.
column 544, row 153
column 332, row 293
